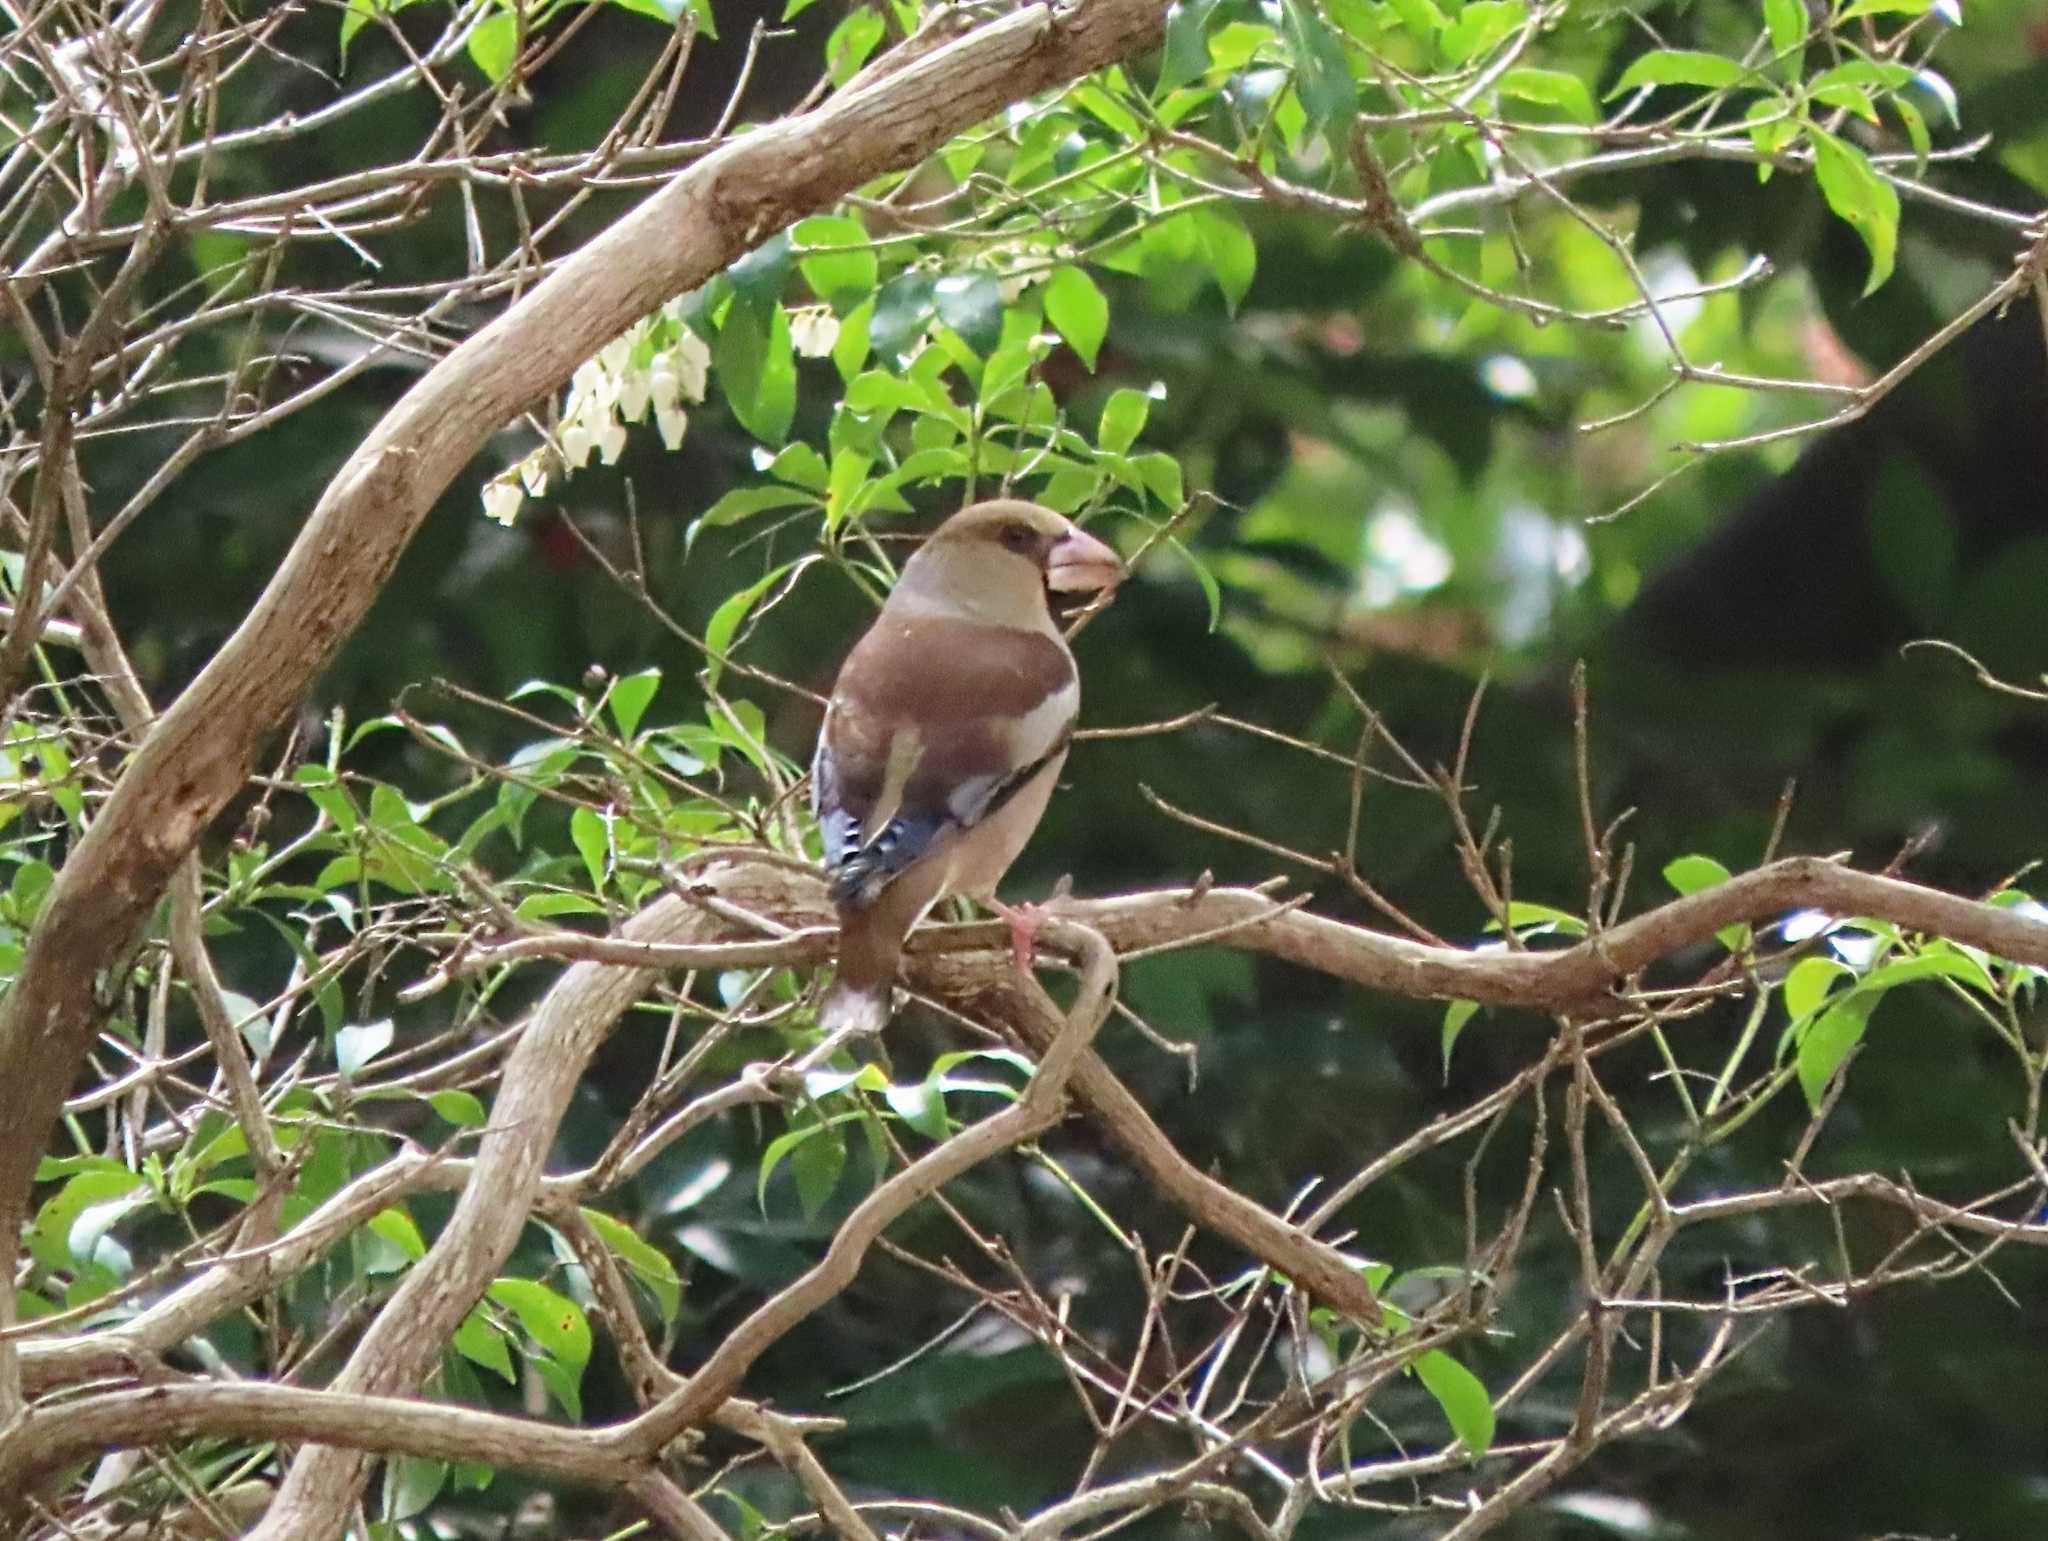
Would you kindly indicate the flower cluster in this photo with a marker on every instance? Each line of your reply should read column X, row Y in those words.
column 658, row 363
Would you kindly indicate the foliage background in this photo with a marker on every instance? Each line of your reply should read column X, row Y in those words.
column 1401, row 492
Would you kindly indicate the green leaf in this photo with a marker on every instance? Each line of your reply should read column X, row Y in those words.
column 1787, row 22
column 972, row 305
column 903, row 308
column 460, row 1108
column 1530, row 918
column 846, row 478
column 1690, row 874
column 790, row 1146
column 411, row 1483
column 668, row 12
column 1916, row 133
column 1851, row 98
column 479, row 1341
column 593, row 842
column 494, row 45
column 396, row 1227
column 1824, row 1045
column 1421, row 18
column 1186, row 55
column 1870, row 74
column 922, row 1106
column 1462, row 1396
column 1479, row 25
column 756, row 367
column 630, row 697
column 850, row 353
column 801, row 466
column 1161, row 474
column 355, row 1047
column 1771, row 129
column 1679, row 67
column 725, row 621
column 1322, row 73
column 1808, row 983
column 552, row 1320
column 643, row 1259
column 847, row 49
column 816, row 1165
column 1940, row 961
column 1860, row 196
column 564, row 1387
column 1078, row 312
column 1456, row 1015
column 1885, row 8
column 745, row 502
column 1554, row 88
column 359, row 13
column 837, row 259
column 1230, row 252
column 1123, row 419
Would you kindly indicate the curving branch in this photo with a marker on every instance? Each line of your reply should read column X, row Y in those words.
column 199, row 754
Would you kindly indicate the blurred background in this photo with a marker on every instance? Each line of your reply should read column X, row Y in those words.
column 1398, row 486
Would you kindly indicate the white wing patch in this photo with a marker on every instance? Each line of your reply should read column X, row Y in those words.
column 906, row 746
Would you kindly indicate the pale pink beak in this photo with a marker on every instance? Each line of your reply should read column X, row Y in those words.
column 1079, row 563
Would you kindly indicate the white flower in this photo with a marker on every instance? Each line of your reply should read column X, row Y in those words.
column 588, row 384
column 633, row 392
column 533, row 474
column 616, row 354
column 502, row 497
column 813, row 330
column 576, row 446
column 663, row 388
column 610, row 440
column 671, row 421
column 691, row 359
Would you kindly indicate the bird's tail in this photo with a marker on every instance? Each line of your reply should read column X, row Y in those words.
column 859, row 999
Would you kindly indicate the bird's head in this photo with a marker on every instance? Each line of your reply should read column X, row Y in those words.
column 997, row 561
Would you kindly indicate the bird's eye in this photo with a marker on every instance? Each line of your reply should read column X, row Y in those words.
column 1019, row 537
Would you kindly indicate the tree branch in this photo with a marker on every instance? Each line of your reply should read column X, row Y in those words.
column 198, row 756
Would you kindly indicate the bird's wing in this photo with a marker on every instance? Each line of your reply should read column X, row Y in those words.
column 935, row 723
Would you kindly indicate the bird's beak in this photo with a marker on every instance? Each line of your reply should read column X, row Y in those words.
column 1079, row 563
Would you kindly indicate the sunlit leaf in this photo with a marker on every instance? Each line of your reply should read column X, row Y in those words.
column 1462, row 1396
column 1456, row 1015
column 1679, row 67
column 493, row 45
column 1554, row 88
column 630, row 695
column 643, row 1259
column 1860, row 196
column 1123, row 419
column 1824, row 1045
column 552, row 1320
column 1078, row 312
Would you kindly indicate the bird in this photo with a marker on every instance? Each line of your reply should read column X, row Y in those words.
column 944, row 735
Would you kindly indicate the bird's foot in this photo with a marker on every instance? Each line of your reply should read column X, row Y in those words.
column 1025, row 921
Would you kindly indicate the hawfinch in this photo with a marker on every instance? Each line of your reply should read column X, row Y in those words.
column 945, row 733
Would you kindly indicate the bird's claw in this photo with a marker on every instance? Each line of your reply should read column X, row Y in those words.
column 1025, row 921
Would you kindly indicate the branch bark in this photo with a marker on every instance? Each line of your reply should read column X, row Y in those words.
column 202, row 750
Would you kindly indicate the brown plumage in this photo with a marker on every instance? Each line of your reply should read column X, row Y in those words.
column 946, row 732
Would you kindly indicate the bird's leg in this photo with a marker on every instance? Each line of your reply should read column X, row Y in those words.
column 1025, row 920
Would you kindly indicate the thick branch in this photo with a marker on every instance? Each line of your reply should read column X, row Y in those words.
column 48, row 1439
column 201, row 752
